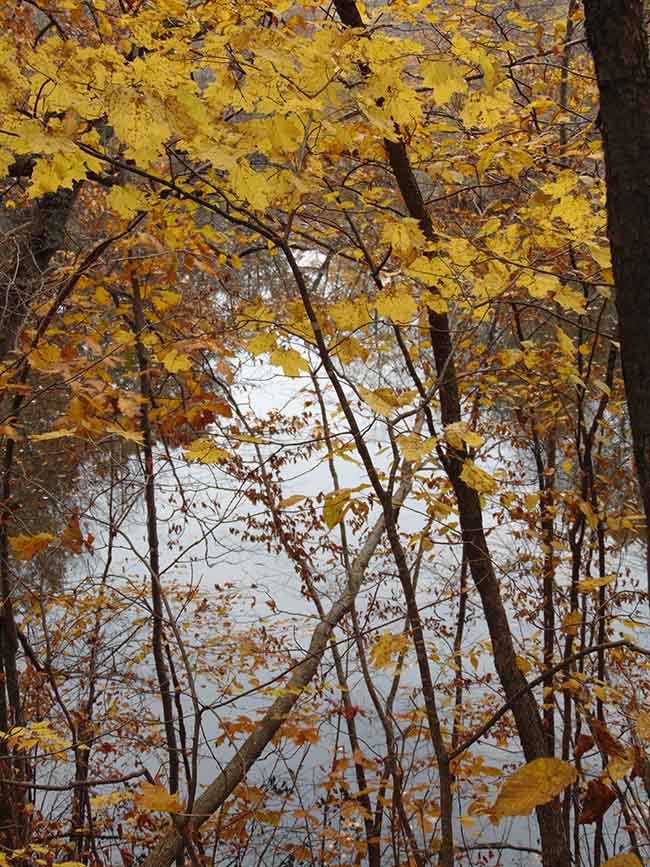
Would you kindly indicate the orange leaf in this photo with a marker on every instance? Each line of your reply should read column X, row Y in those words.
column 71, row 537
column 25, row 547
column 156, row 797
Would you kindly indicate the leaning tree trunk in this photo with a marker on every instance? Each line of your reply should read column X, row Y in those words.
column 619, row 45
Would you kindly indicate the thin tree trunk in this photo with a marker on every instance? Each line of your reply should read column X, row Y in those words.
column 158, row 638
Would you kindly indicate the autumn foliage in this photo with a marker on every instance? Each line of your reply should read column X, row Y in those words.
column 320, row 539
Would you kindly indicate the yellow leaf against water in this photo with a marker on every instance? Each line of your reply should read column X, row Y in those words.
column 291, row 501
column 156, row 797
column 262, row 342
column 588, row 584
column 335, row 506
column 412, row 446
column 445, row 78
column 386, row 648
column 205, row 451
column 25, row 546
column 626, row 859
column 475, row 477
column 536, row 783
column 382, row 400
column 291, row 361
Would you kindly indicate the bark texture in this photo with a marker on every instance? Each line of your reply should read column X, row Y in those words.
column 618, row 42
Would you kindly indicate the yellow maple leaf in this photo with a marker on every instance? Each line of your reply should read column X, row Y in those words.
column 537, row 782
column 588, row 584
column 475, row 477
column 132, row 436
column 400, row 305
column 250, row 185
column 165, row 298
column 291, row 501
column 205, row 451
column 413, row 446
column 618, row 767
column 175, row 361
column 127, row 200
column 386, row 648
column 50, row 174
column 571, row 622
column 262, row 342
column 349, row 315
column 404, row 236
column 25, row 546
column 445, row 78
column 382, row 400
column 156, row 797
column 570, row 299
column 291, row 361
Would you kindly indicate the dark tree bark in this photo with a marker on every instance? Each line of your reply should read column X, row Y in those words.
column 618, row 42
column 29, row 238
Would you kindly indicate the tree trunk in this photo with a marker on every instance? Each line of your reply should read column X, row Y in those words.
column 618, row 43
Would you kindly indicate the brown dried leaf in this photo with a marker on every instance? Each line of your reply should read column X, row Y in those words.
column 597, row 801
column 583, row 745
